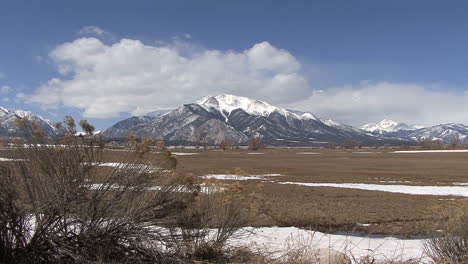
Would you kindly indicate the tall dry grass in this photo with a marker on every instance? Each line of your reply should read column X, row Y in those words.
column 450, row 245
column 58, row 205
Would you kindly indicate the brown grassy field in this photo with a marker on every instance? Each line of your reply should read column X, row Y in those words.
column 336, row 209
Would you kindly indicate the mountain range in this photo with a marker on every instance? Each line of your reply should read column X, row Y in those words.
column 236, row 119
column 8, row 126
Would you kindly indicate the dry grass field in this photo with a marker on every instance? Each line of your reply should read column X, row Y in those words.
column 339, row 209
column 335, row 209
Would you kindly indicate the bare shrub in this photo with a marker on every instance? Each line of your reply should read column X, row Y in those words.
column 450, row 246
column 217, row 215
column 255, row 143
column 58, row 206
column 224, row 145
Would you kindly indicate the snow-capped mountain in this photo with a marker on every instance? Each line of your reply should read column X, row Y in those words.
column 339, row 125
column 227, row 103
column 234, row 118
column 8, row 119
column 387, row 126
column 444, row 132
column 158, row 113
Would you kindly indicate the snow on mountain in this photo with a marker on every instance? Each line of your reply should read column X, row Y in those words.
column 235, row 118
column 227, row 103
column 158, row 113
column 338, row 125
column 8, row 119
column 387, row 126
column 444, row 132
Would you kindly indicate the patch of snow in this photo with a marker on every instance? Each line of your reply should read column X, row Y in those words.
column 234, row 177
column 405, row 189
column 179, row 188
column 308, row 153
column 271, row 175
column 255, row 153
column 461, row 183
column 231, row 177
column 396, row 181
column 281, row 240
column 6, row 159
column 185, row 153
column 433, row 151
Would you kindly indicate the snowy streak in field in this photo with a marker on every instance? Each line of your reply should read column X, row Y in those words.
column 280, row 240
column 406, row 189
column 433, row 151
column 461, row 183
column 255, row 153
column 235, row 177
column 231, row 177
column 6, row 159
column 178, row 188
column 185, row 153
column 308, row 153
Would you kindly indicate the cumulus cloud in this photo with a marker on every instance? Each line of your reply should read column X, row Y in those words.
column 131, row 77
column 372, row 102
column 106, row 80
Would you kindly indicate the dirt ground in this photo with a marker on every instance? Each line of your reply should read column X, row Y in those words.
column 336, row 209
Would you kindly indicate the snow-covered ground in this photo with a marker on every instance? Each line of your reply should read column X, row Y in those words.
column 203, row 188
column 6, row 159
column 235, row 177
column 280, row 240
column 406, row 189
column 433, row 151
column 185, row 153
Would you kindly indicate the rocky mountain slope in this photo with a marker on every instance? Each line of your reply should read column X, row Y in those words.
column 8, row 126
column 236, row 119
column 388, row 126
column 445, row 133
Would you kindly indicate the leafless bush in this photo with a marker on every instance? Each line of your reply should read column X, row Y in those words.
column 450, row 246
column 216, row 216
column 255, row 143
column 57, row 205
column 224, row 145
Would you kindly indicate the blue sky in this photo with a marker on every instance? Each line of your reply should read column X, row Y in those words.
column 404, row 60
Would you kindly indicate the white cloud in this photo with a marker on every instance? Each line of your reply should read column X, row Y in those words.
column 92, row 30
column 372, row 102
column 5, row 89
column 130, row 77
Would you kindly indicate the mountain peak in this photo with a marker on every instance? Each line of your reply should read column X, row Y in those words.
column 387, row 125
column 226, row 103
